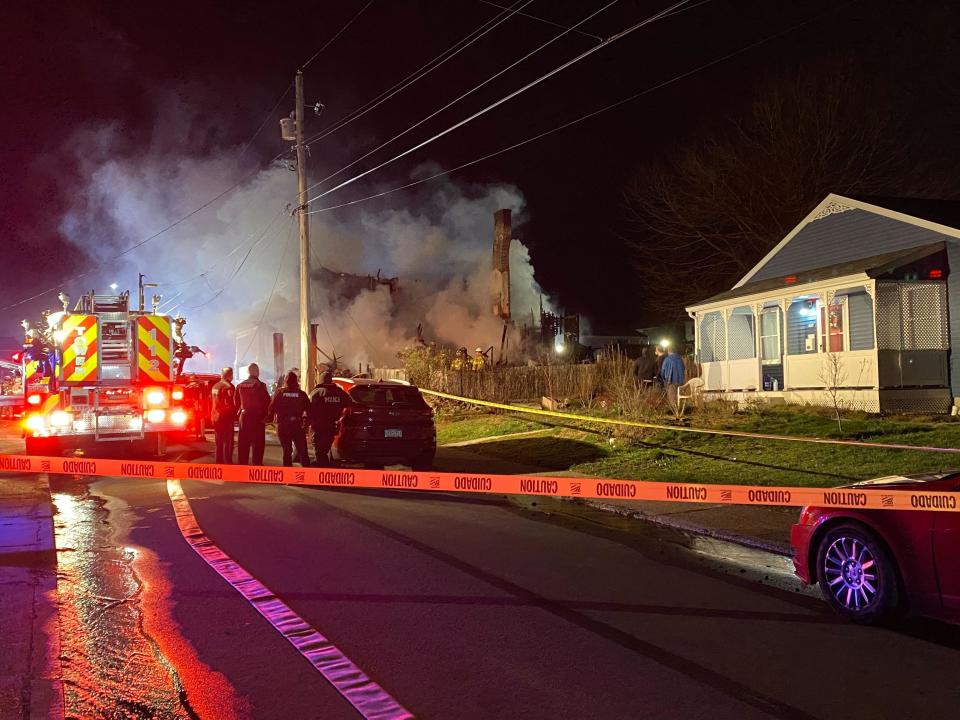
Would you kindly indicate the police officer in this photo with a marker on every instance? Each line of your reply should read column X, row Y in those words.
column 223, row 413
column 254, row 403
column 327, row 402
column 291, row 406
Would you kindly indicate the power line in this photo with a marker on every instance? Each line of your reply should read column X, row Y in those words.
column 620, row 35
column 263, row 124
column 419, row 73
column 243, row 262
column 545, row 21
column 448, row 105
column 340, row 32
column 582, row 118
column 276, row 280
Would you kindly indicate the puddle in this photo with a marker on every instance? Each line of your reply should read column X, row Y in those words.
column 111, row 667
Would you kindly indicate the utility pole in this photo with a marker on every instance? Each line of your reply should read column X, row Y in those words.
column 307, row 354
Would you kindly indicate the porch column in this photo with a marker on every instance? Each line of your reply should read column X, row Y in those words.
column 758, row 344
column 784, row 304
column 727, row 313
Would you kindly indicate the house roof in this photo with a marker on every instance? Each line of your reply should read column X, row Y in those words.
column 942, row 212
column 872, row 266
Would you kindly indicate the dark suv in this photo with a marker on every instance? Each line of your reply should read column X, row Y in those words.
column 388, row 423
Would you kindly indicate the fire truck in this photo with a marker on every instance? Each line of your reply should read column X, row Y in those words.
column 103, row 373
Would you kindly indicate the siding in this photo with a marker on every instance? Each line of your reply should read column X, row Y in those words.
column 843, row 237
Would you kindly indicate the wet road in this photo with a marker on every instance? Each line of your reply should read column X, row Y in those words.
column 456, row 607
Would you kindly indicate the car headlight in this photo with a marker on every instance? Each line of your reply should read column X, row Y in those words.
column 60, row 418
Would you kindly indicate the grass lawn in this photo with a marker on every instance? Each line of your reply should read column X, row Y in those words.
column 458, row 428
column 687, row 457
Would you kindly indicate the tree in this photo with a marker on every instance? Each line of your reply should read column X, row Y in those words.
column 702, row 218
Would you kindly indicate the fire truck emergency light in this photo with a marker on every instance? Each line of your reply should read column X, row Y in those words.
column 156, row 396
column 34, row 399
column 155, row 416
column 60, row 418
column 178, row 417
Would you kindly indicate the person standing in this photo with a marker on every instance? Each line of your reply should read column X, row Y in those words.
column 223, row 413
column 290, row 407
column 327, row 403
column 254, row 401
column 673, row 375
column 644, row 368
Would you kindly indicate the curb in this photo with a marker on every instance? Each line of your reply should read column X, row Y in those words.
column 775, row 548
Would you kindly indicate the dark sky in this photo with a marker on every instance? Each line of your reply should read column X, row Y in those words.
column 66, row 66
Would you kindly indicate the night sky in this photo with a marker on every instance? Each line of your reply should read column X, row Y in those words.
column 70, row 66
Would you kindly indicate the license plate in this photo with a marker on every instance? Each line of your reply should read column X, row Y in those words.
column 397, row 433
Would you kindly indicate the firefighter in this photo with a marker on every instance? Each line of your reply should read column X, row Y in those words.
column 327, row 403
column 460, row 360
column 479, row 361
column 224, row 414
column 291, row 407
column 254, row 402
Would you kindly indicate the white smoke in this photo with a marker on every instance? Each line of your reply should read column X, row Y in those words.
column 218, row 267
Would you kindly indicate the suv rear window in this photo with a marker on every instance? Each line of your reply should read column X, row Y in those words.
column 386, row 396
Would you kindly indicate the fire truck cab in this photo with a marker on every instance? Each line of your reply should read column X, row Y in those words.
column 101, row 373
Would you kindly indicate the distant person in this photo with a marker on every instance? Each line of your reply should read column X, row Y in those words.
column 327, row 403
column 223, row 413
column 645, row 368
column 291, row 408
column 659, row 354
column 672, row 374
column 254, row 402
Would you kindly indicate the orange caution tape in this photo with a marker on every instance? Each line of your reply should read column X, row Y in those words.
column 571, row 487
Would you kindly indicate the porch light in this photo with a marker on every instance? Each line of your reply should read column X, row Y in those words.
column 665, row 343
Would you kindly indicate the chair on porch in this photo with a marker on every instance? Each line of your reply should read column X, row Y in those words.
column 690, row 390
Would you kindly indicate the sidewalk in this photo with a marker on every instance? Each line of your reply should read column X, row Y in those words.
column 764, row 528
column 30, row 685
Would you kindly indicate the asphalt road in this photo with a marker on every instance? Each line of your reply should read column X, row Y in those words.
column 458, row 607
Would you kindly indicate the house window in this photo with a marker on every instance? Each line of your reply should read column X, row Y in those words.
column 713, row 337
column 833, row 324
column 802, row 327
column 770, row 343
column 742, row 340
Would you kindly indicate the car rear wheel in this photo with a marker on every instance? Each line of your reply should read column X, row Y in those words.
column 857, row 575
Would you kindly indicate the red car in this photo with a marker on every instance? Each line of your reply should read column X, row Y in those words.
column 872, row 565
column 388, row 423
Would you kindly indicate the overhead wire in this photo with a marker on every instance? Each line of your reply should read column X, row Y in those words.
column 543, row 20
column 340, row 32
column 419, row 73
column 243, row 262
column 449, row 105
column 273, row 290
column 533, row 83
column 587, row 116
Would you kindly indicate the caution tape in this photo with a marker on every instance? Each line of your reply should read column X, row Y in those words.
column 569, row 487
column 680, row 428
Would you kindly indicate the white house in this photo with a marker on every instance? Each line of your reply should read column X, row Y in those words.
column 856, row 298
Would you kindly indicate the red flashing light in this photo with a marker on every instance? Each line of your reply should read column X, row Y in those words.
column 790, row 279
column 17, row 357
column 936, row 274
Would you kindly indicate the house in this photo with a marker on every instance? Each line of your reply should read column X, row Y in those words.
column 855, row 300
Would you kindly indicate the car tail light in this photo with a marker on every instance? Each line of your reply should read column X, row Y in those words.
column 805, row 515
column 155, row 397
column 34, row 399
column 155, row 415
column 178, row 417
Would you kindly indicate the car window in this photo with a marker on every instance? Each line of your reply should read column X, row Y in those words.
column 380, row 396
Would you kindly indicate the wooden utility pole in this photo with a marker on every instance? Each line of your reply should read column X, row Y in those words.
column 307, row 354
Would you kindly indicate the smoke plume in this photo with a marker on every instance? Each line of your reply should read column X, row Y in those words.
column 220, row 267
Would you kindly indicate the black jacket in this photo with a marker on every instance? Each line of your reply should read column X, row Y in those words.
column 224, row 403
column 326, row 405
column 289, row 406
column 254, row 399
